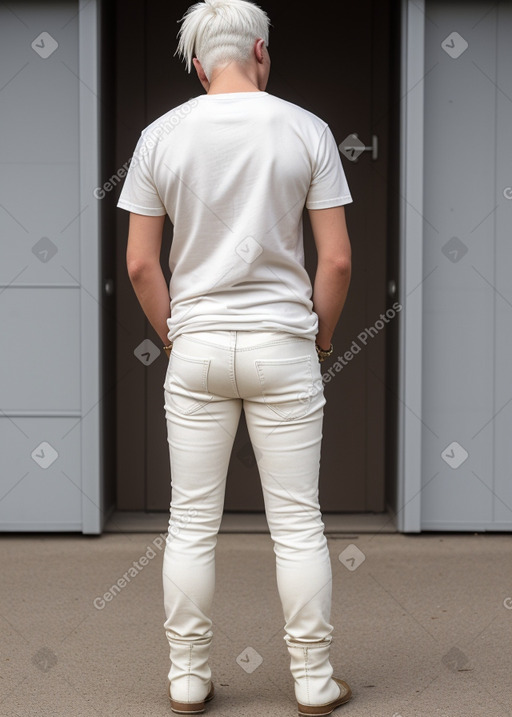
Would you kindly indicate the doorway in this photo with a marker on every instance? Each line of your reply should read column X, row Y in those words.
column 339, row 65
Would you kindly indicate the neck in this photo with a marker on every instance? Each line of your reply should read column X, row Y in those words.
column 233, row 78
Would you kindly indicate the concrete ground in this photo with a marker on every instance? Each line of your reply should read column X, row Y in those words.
column 423, row 626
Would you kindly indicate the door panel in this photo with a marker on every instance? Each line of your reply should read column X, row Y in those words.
column 322, row 64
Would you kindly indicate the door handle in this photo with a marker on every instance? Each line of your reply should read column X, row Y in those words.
column 352, row 147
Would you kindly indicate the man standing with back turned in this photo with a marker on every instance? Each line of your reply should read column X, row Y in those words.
column 234, row 169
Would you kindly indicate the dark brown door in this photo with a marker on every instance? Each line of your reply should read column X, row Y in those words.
column 334, row 63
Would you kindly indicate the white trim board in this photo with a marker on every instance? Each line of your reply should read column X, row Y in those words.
column 90, row 273
column 411, row 265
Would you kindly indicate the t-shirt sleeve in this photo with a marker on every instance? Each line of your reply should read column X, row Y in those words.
column 329, row 187
column 139, row 194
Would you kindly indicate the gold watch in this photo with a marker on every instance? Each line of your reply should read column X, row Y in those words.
column 323, row 353
column 167, row 350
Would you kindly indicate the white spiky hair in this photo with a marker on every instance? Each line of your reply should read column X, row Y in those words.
column 220, row 31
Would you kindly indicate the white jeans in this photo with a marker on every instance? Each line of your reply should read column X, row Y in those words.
column 276, row 378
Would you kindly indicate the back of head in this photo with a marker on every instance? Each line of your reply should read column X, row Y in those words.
column 221, row 31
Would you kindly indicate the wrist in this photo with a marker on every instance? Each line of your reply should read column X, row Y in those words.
column 323, row 339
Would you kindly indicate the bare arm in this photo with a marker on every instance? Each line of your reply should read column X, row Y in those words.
column 332, row 277
column 145, row 271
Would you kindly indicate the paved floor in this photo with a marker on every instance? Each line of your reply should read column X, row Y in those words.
column 122, row 521
column 423, row 626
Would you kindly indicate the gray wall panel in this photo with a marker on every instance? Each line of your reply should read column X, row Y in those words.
column 42, row 216
column 41, row 486
column 39, row 95
column 50, row 304
column 41, row 361
column 459, row 290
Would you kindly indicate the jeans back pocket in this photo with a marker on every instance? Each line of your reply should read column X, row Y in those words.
column 286, row 385
column 186, row 383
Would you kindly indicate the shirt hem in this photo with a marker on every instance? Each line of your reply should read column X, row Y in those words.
column 261, row 325
column 328, row 203
column 145, row 211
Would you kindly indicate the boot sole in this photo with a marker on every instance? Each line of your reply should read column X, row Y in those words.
column 328, row 707
column 190, row 708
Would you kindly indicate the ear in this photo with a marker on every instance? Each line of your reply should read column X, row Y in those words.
column 259, row 47
column 201, row 74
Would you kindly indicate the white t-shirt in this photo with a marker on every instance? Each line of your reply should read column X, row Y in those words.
column 234, row 171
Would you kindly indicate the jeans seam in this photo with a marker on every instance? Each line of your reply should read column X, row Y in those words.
column 274, row 342
column 204, row 343
column 306, row 660
column 232, row 363
column 271, row 343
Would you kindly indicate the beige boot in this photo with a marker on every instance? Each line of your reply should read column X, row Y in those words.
column 190, row 684
column 317, row 692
